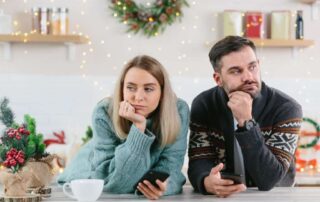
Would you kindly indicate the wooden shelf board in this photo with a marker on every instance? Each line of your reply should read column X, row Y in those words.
column 282, row 42
column 37, row 38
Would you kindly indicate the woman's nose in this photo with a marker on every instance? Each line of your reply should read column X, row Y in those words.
column 139, row 95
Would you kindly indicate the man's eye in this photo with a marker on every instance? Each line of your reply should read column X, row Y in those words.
column 235, row 71
column 252, row 67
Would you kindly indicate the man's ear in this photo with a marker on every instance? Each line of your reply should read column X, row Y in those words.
column 217, row 78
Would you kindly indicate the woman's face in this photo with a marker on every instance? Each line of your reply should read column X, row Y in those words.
column 142, row 91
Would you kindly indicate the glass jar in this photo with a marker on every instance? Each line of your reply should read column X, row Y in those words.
column 35, row 11
column 54, row 19
column 64, row 20
column 44, row 22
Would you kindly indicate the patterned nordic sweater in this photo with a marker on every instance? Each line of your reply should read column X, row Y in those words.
column 268, row 149
column 121, row 163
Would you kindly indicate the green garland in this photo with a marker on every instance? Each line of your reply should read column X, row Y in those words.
column 150, row 20
column 316, row 139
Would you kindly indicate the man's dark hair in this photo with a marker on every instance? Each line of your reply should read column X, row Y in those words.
column 225, row 46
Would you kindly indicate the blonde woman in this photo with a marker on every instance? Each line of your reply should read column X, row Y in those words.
column 143, row 127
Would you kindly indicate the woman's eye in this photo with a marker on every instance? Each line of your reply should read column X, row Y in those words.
column 148, row 89
column 130, row 88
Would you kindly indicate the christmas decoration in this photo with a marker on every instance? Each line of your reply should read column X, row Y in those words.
column 59, row 140
column 305, row 133
column 150, row 20
column 22, row 152
column 6, row 114
column 308, row 147
column 88, row 136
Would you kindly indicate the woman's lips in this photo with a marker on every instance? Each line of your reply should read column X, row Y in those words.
column 139, row 107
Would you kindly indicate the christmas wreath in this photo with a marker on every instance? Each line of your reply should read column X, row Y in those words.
column 150, row 19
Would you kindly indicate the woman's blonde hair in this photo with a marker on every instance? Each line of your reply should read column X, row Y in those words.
column 165, row 119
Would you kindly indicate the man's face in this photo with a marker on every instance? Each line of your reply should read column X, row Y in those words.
column 240, row 71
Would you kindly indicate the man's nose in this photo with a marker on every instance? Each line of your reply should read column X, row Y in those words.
column 247, row 76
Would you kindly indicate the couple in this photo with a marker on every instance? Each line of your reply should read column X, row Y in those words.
column 144, row 127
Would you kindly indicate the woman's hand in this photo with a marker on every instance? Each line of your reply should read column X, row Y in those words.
column 150, row 191
column 127, row 111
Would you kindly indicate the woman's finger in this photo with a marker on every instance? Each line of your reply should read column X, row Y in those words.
column 162, row 185
column 155, row 191
column 146, row 191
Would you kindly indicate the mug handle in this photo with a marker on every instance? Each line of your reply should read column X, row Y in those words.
column 64, row 188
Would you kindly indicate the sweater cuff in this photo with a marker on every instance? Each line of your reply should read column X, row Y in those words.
column 250, row 139
column 139, row 142
column 200, row 183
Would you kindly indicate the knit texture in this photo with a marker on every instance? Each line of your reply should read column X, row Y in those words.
column 268, row 149
column 121, row 163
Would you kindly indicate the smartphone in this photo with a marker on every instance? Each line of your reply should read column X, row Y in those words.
column 237, row 179
column 152, row 176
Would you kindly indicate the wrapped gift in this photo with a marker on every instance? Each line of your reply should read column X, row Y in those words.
column 254, row 24
column 280, row 24
column 232, row 23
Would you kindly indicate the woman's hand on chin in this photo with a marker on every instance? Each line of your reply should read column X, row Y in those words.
column 127, row 111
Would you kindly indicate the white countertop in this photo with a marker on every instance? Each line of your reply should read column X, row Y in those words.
column 278, row 194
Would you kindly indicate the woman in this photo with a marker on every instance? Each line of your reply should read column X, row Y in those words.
column 143, row 127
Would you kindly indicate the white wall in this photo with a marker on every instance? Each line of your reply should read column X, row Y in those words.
column 40, row 81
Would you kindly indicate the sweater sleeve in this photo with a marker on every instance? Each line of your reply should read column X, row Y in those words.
column 172, row 157
column 120, row 164
column 267, row 162
column 203, row 153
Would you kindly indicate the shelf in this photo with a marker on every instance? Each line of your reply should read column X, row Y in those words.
column 290, row 43
column 38, row 38
column 279, row 43
column 68, row 40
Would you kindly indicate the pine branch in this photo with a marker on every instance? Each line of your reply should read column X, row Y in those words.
column 6, row 114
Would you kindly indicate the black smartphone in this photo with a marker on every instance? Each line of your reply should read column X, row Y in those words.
column 237, row 179
column 152, row 176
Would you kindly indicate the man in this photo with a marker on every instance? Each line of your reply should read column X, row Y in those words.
column 264, row 121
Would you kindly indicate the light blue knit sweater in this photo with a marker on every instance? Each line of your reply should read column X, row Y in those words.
column 121, row 163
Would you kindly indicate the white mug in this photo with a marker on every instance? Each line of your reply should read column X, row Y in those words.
column 84, row 189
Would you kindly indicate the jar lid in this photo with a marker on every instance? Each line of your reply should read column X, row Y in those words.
column 66, row 10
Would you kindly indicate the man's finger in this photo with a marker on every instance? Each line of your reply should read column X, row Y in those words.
column 216, row 169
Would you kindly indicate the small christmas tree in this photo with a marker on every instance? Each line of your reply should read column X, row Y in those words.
column 88, row 136
column 6, row 114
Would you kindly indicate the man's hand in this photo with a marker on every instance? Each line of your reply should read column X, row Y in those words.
column 221, row 187
column 240, row 104
column 127, row 111
column 150, row 191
